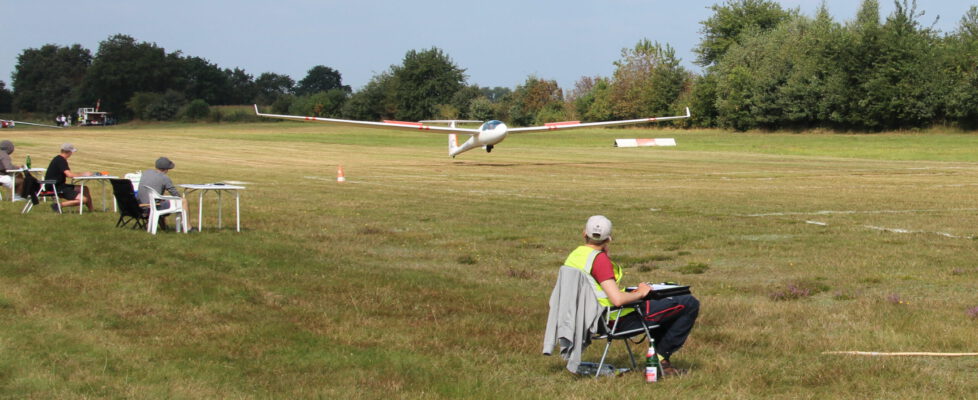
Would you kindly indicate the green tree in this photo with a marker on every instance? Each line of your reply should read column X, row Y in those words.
column 495, row 94
column 270, row 86
column 6, row 98
column 47, row 79
column 480, row 108
column 900, row 89
column 732, row 20
column 961, row 66
column 702, row 100
column 320, row 79
column 647, row 80
column 205, row 81
column 122, row 67
column 782, row 78
column 424, row 79
column 536, row 101
column 374, row 101
column 242, row 86
column 591, row 99
column 462, row 99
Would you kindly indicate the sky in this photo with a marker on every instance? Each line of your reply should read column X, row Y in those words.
column 498, row 43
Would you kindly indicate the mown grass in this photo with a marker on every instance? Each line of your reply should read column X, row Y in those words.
column 428, row 277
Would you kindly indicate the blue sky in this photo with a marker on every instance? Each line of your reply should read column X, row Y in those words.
column 499, row 43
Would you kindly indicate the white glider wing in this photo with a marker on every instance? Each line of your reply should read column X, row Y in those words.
column 30, row 123
column 577, row 124
column 396, row 125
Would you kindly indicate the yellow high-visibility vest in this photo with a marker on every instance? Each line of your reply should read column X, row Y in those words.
column 582, row 258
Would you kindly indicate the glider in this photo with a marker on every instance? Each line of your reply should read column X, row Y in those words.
column 9, row 123
column 486, row 136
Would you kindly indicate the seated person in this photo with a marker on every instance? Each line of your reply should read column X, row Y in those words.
column 158, row 180
column 59, row 171
column 674, row 315
column 6, row 149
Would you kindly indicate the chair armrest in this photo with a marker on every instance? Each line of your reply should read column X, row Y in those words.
column 169, row 198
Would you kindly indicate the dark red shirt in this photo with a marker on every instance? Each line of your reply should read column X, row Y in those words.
column 602, row 269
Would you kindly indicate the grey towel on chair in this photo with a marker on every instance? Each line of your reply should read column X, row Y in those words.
column 575, row 315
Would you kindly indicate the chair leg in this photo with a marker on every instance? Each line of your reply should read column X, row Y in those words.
column 58, row 202
column 631, row 354
column 153, row 222
column 183, row 221
column 603, row 356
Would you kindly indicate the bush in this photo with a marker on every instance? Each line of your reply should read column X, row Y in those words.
column 321, row 104
column 196, row 110
column 480, row 108
column 165, row 108
column 140, row 101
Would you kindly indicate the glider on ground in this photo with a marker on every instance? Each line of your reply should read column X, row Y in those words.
column 486, row 136
column 9, row 123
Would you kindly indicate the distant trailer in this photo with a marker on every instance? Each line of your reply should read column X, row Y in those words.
column 90, row 117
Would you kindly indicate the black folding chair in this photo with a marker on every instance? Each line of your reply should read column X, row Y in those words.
column 128, row 204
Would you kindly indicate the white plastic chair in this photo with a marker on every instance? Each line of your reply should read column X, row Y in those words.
column 175, row 207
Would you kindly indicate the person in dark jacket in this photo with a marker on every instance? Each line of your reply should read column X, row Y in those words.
column 59, row 171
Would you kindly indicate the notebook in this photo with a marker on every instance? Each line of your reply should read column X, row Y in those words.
column 663, row 290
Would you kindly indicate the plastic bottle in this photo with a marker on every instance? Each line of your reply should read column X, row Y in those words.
column 28, row 162
column 651, row 365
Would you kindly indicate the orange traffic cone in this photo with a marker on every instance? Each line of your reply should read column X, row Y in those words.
column 339, row 174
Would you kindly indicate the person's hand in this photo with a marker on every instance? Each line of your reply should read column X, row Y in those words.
column 644, row 289
column 89, row 173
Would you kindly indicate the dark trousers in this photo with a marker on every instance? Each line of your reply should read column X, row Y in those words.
column 675, row 316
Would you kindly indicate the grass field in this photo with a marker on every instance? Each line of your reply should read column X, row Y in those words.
column 428, row 277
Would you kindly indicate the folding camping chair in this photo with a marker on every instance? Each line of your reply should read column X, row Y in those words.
column 608, row 330
column 129, row 208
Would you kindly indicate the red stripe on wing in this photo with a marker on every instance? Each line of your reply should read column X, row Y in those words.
column 564, row 123
column 417, row 124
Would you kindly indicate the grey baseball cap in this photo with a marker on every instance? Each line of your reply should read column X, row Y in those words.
column 598, row 228
column 164, row 163
column 68, row 147
column 7, row 146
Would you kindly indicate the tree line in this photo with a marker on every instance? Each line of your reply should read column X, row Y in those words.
column 764, row 67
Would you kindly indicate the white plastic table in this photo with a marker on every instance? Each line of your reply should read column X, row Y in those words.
column 103, row 179
column 217, row 188
column 13, row 178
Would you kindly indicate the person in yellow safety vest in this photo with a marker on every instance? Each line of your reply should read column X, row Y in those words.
column 675, row 315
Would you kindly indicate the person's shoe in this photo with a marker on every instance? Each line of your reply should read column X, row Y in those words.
column 668, row 371
column 56, row 207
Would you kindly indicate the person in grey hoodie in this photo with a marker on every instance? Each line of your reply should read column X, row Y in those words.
column 158, row 180
column 6, row 149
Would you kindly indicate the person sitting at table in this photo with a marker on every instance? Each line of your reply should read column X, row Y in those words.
column 6, row 165
column 158, row 180
column 59, row 171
